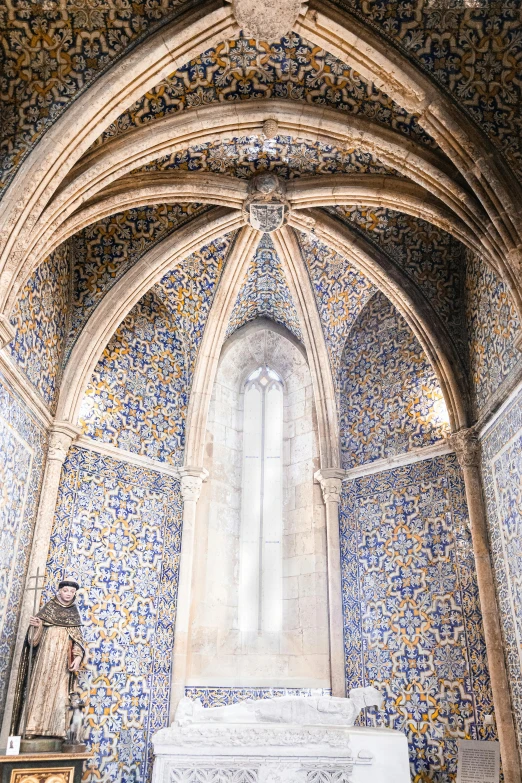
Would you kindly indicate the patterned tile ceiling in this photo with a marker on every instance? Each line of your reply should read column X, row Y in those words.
column 242, row 157
column 51, row 50
column 340, row 291
column 265, row 292
column 473, row 48
column 291, row 69
column 138, row 395
column 390, row 398
column 431, row 257
column 105, row 250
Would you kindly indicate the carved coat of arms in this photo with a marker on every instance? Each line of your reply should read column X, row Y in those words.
column 267, row 217
column 266, row 207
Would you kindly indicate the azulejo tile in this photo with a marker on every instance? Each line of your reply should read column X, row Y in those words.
column 411, row 610
column 138, row 395
column 107, row 249
column 41, row 320
column 244, row 156
column 501, row 471
column 291, row 69
column 23, row 444
column 390, row 398
column 430, row 257
column 117, row 530
column 493, row 324
column 265, row 292
column 340, row 291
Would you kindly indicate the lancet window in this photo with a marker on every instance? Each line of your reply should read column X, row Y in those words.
column 261, row 538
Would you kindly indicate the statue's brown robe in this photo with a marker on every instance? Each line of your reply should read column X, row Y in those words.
column 60, row 642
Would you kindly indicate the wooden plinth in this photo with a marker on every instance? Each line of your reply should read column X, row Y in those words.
column 43, row 767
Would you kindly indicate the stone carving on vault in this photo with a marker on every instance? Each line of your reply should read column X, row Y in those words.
column 266, row 207
column 269, row 20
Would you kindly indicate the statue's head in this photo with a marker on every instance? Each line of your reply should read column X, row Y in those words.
column 67, row 590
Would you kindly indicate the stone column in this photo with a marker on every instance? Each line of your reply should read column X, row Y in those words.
column 330, row 480
column 61, row 436
column 192, row 479
column 467, row 448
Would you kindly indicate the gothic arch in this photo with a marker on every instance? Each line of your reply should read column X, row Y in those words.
column 126, row 292
column 101, row 167
column 417, row 311
column 45, row 167
column 147, row 188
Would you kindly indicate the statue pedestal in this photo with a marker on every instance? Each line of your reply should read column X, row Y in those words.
column 43, row 767
column 284, row 753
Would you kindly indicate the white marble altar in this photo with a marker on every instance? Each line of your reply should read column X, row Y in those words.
column 281, row 740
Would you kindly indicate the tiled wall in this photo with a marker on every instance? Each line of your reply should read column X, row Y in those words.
column 138, row 394
column 390, row 398
column 412, row 619
column 41, row 320
column 117, row 530
column 493, row 324
column 23, row 444
column 502, row 474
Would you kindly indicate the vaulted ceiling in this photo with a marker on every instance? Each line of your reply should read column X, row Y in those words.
column 394, row 126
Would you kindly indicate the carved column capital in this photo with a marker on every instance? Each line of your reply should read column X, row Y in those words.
column 7, row 331
column 467, row 447
column 61, row 436
column 192, row 479
column 331, row 481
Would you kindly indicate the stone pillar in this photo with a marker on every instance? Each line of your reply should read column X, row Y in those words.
column 467, row 448
column 61, row 436
column 192, row 479
column 330, row 480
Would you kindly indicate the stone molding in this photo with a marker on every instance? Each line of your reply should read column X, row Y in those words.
column 127, row 291
column 485, row 424
column 107, row 450
column 21, row 386
column 7, row 331
column 263, row 735
column 416, row 309
column 331, row 481
column 137, row 190
column 192, row 479
column 209, row 352
column 303, row 295
column 399, row 460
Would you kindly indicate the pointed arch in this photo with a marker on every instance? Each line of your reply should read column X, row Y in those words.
column 212, row 342
column 129, row 289
column 102, row 166
column 407, row 299
column 73, row 133
column 457, row 135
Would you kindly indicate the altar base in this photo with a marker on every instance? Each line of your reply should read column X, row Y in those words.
column 280, row 754
column 43, row 768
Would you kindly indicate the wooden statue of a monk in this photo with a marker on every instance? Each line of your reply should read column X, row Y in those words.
column 58, row 652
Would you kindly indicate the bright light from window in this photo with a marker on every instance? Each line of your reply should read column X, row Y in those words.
column 261, row 539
